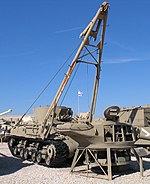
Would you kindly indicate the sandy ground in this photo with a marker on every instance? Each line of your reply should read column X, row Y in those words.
column 16, row 171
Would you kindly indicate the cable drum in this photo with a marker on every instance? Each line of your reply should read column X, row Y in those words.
column 111, row 113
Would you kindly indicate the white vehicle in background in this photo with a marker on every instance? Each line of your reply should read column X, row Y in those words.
column 4, row 126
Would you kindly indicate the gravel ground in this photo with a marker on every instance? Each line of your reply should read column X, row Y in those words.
column 16, row 171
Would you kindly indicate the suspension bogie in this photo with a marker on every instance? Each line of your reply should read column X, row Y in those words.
column 51, row 153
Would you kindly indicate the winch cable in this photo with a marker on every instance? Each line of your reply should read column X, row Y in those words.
column 87, row 81
column 62, row 66
column 70, row 84
column 72, row 78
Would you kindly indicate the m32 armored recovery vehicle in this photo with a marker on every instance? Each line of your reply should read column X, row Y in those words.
column 54, row 134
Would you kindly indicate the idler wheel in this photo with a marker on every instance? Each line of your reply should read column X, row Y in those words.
column 11, row 142
column 33, row 156
column 26, row 154
column 39, row 157
column 49, row 154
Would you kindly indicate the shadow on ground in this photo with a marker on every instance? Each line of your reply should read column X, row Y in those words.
column 9, row 165
column 123, row 170
column 134, row 167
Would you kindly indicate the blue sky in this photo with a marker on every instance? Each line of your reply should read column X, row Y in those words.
column 37, row 36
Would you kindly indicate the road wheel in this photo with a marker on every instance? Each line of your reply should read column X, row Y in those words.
column 33, row 156
column 22, row 153
column 47, row 160
column 39, row 157
column 26, row 154
column 15, row 151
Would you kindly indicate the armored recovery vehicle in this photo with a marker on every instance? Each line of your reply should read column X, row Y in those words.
column 54, row 134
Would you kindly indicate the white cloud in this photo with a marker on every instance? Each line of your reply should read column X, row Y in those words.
column 18, row 54
column 125, row 60
column 122, row 46
column 68, row 30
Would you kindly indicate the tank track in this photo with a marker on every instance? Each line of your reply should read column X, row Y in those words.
column 59, row 156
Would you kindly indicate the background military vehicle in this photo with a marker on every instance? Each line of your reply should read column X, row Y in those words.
column 54, row 134
column 139, row 117
column 5, row 126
